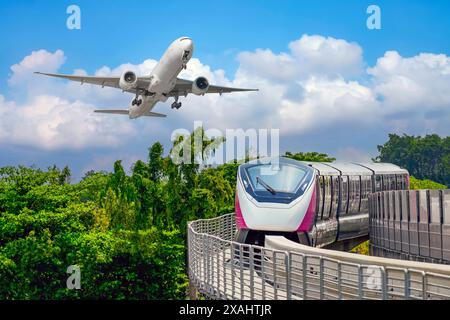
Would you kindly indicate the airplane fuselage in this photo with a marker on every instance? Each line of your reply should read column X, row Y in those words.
column 164, row 75
column 161, row 84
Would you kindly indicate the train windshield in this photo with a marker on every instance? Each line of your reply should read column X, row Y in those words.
column 280, row 178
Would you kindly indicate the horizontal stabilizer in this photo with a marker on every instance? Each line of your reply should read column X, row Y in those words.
column 126, row 112
column 113, row 111
column 154, row 114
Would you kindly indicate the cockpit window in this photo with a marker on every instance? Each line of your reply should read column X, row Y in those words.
column 280, row 178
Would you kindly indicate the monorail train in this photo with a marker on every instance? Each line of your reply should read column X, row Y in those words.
column 314, row 203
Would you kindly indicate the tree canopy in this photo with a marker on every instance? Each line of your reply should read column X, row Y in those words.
column 424, row 157
column 309, row 156
column 125, row 232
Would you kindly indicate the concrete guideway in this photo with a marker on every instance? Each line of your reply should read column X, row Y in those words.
column 349, row 274
column 411, row 225
column 220, row 268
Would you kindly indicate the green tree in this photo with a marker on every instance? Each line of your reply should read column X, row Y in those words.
column 416, row 184
column 424, row 157
column 310, row 156
column 156, row 161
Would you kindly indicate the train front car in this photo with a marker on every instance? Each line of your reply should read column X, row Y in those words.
column 274, row 194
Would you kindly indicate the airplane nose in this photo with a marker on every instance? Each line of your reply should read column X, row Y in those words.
column 189, row 45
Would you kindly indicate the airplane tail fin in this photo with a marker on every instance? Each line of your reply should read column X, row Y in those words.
column 126, row 112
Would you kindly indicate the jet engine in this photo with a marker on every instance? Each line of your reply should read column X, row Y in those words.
column 200, row 86
column 128, row 80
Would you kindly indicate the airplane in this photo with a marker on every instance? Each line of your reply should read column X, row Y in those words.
column 163, row 82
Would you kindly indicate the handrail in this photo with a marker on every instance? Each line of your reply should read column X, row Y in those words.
column 281, row 243
column 220, row 268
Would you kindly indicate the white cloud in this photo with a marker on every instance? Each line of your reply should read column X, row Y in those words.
column 311, row 89
column 309, row 55
column 50, row 123
column 328, row 55
column 420, row 81
column 36, row 61
column 352, row 154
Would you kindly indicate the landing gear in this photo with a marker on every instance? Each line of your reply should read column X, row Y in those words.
column 136, row 102
column 176, row 105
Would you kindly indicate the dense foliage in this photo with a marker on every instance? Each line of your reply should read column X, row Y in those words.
column 125, row 232
column 416, row 184
column 424, row 157
column 309, row 156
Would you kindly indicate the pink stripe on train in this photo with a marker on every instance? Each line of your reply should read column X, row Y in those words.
column 240, row 222
column 308, row 219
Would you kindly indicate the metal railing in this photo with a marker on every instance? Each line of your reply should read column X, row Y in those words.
column 411, row 225
column 220, row 268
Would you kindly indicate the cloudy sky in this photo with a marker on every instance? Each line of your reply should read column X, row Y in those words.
column 326, row 81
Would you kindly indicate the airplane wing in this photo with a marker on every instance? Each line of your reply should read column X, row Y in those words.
column 113, row 82
column 184, row 87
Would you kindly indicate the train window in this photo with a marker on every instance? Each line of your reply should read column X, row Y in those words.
column 354, row 194
column 366, row 189
column 321, row 197
column 393, row 182
column 400, row 181
column 335, row 196
column 386, row 182
column 378, row 183
column 344, row 194
column 358, row 194
column 285, row 179
column 327, row 197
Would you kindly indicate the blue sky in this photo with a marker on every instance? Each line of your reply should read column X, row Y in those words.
column 118, row 32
